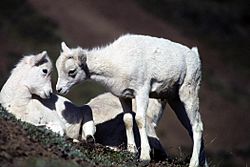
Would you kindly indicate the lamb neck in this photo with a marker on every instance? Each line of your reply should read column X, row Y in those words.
column 100, row 67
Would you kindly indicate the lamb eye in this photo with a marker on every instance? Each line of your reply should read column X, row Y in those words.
column 72, row 73
column 45, row 71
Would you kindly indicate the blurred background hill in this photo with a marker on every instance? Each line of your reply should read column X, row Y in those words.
column 220, row 29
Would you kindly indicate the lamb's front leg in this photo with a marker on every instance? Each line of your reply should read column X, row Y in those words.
column 88, row 127
column 128, row 121
column 142, row 99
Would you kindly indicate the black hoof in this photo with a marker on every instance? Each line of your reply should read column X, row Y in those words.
column 90, row 139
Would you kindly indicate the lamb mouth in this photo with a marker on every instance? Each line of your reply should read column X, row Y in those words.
column 47, row 95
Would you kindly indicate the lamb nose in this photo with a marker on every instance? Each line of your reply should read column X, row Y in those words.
column 59, row 90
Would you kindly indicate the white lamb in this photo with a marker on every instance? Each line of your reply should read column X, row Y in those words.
column 28, row 95
column 140, row 67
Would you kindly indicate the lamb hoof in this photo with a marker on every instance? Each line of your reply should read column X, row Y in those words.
column 75, row 141
column 132, row 149
column 144, row 162
column 90, row 139
column 144, row 158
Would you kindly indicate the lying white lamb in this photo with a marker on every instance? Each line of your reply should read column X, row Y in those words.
column 140, row 67
column 28, row 95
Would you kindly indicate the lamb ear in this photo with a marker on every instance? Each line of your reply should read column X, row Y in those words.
column 34, row 60
column 43, row 53
column 65, row 48
column 40, row 58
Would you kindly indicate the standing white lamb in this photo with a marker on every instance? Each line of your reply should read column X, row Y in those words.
column 140, row 67
column 27, row 94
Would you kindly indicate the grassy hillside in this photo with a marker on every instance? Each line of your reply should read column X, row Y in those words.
column 23, row 144
column 23, row 141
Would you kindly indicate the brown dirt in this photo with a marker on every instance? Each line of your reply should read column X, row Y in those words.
column 15, row 144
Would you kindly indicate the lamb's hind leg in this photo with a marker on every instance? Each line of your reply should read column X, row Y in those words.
column 128, row 121
column 186, row 107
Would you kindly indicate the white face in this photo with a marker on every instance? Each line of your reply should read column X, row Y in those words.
column 69, row 67
column 38, row 77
